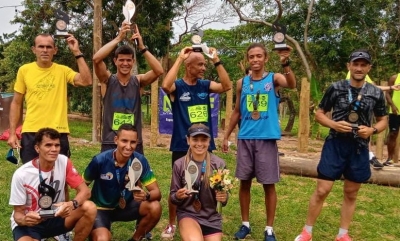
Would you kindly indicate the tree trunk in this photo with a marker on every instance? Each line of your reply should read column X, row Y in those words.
column 292, row 113
column 96, row 101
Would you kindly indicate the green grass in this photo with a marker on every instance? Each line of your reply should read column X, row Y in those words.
column 377, row 214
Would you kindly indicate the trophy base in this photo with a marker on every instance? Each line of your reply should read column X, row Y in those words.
column 192, row 192
column 197, row 48
column 134, row 189
column 280, row 47
column 60, row 34
column 45, row 214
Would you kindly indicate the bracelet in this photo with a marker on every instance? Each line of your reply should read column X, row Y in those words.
column 216, row 64
column 287, row 73
column 142, row 51
column 79, row 56
column 286, row 64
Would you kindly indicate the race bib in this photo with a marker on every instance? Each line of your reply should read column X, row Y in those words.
column 262, row 105
column 121, row 118
column 198, row 113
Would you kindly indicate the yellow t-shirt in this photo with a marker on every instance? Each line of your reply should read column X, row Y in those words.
column 395, row 96
column 367, row 78
column 45, row 91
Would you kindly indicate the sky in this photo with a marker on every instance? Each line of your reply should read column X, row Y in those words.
column 7, row 13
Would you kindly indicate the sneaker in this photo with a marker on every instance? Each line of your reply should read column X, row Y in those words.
column 304, row 236
column 375, row 163
column 168, row 232
column 148, row 236
column 64, row 237
column 269, row 237
column 345, row 237
column 242, row 233
column 388, row 163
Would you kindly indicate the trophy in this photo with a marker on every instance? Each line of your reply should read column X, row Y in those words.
column 134, row 172
column 46, row 199
column 279, row 36
column 197, row 46
column 191, row 174
column 128, row 11
column 61, row 24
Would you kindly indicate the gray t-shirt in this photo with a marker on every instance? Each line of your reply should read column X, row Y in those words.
column 207, row 216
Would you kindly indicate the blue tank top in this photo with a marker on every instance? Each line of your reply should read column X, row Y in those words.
column 262, row 92
column 191, row 105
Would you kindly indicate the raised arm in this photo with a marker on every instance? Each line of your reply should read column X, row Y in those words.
column 155, row 65
column 287, row 79
column 225, row 83
column 84, row 76
column 168, row 84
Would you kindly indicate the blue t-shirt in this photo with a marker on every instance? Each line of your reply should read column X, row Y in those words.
column 263, row 93
column 191, row 105
column 106, row 190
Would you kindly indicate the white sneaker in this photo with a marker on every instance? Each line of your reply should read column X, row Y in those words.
column 169, row 232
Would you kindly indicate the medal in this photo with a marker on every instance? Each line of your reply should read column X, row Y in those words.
column 197, row 205
column 353, row 116
column 255, row 115
column 122, row 202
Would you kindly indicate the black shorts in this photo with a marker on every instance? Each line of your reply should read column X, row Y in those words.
column 207, row 231
column 104, row 218
column 344, row 156
column 28, row 151
column 105, row 147
column 46, row 229
column 394, row 122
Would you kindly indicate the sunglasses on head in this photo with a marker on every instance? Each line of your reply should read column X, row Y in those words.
column 360, row 54
column 11, row 157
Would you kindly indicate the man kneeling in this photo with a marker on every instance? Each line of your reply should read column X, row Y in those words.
column 37, row 194
column 115, row 190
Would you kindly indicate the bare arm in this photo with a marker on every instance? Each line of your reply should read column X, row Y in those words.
column 84, row 77
column 153, row 190
column 234, row 119
column 339, row 126
column 168, row 84
column 288, row 79
column 15, row 115
column 226, row 83
column 389, row 95
column 29, row 219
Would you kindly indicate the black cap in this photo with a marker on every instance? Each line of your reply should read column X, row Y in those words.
column 199, row 129
column 360, row 55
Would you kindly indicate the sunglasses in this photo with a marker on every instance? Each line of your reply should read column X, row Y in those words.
column 11, row 157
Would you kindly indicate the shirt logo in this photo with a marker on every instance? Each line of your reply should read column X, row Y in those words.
column 107, row 176
column 185, row 97
column 202, row 95
column 268, row 86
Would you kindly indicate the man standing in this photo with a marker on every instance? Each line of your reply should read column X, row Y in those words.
column 40, row 183
column 109, row 171
column 257, row 100
column 43, row 84
column 121, row 99
column 393, row 100
column 345, row 151
column 190, row 102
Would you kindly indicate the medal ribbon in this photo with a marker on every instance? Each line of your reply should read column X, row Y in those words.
column 40, row 173
column 117, row 171
column 200, row 181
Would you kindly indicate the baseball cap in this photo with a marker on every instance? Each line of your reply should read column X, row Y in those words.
column 199, row 129
column 360, row 55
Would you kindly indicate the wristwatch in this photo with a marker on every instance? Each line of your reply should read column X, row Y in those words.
column 375, row 131
column 148, row 196
column 79, row 56
column 142, row 51
column 286, row 64
column 75, row 203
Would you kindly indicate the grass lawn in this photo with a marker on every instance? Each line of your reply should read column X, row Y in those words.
column 377, row 216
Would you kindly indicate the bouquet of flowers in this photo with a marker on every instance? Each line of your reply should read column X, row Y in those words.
column 221, row 180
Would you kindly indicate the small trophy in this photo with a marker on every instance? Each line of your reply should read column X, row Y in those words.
column 47, row 194
column 191, row 174
column 197, row 46
column 128, row 11
column 279, row 36
column 61, row 24
column 134, row 172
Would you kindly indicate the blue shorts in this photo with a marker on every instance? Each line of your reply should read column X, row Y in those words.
column 104, row 218
column 344, row 156
column 46, row 229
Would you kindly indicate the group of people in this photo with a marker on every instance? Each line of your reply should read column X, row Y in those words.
column 48, row 169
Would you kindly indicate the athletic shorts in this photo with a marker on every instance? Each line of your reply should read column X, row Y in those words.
column 46, row 229
column 105, row 147
column 259, row 159
column 394, row 122
column 104, row 218
column 344, row 156
column 28, row 151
